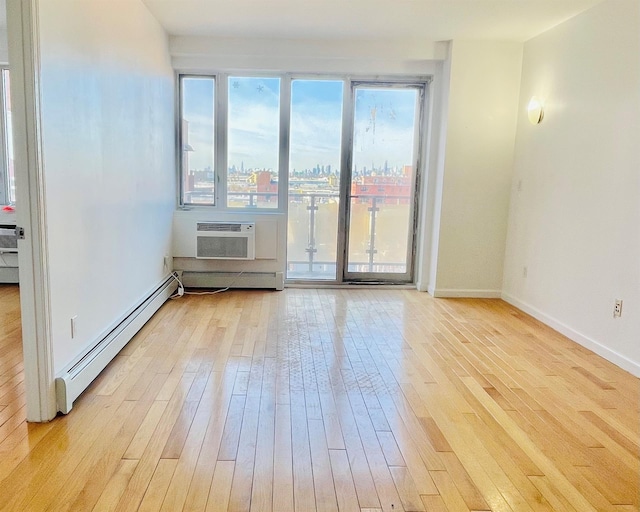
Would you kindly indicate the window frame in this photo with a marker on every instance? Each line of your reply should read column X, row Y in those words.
column 221, row 127
column 179, row 140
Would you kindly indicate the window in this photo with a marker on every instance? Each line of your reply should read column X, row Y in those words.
column 197, row 132
column 236, row 166
column 315, row 132
column 7, row 176
column 253, row 142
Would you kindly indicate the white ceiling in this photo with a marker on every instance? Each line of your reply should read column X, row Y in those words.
column 434, row 20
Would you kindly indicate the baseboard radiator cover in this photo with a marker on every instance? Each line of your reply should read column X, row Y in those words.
column 208, row 279
column 9, row 275
column 72, row 381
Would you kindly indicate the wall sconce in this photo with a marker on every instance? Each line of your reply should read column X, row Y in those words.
column 535, row 110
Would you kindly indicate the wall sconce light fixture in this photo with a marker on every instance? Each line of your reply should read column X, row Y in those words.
column 535, row 110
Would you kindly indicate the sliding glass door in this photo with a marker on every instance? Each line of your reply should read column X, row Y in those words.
column 354, row 149
column 381, row 191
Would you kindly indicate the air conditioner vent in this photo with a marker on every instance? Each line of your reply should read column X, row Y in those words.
column 220, row 226
column 225, row 240
column 8, row 238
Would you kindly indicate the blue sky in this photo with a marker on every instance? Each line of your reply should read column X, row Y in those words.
column 383, row 124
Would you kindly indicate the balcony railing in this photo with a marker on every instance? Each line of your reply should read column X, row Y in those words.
column 373, row 247
column 249, row 199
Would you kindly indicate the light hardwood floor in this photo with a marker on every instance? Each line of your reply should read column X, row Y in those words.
column 329, row 400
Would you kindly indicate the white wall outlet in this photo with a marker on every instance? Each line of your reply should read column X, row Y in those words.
column 167, row 263
column 617, row 308
column 74, row 329
column 525, row 271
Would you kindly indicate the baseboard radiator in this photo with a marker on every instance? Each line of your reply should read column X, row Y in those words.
column 205, row 279
column 71, row 382
column 9, row 275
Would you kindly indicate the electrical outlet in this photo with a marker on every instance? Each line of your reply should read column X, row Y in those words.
column 73, row 326
column 167, row 262
column 525, row 271
column 617, row 308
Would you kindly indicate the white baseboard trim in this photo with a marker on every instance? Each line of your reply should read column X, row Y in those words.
column 610, row 355
column 72, row 381
column 464, row 294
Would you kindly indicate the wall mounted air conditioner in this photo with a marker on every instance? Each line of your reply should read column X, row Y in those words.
column 225, row 240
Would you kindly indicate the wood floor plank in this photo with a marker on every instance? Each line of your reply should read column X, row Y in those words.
column 434, row 503
column 263, row 472
column 231, row 432
column 143, row 435
column 155, row 493
column 112, row 492
column 199, row 487
column 323, row 479
column 240, row 499
column 220, row 491
column 188, row 459
column 343, row 482
column 407, row 489
column 283, row 461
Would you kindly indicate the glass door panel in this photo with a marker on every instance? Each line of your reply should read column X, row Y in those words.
column 382, row 185
column 314, row 179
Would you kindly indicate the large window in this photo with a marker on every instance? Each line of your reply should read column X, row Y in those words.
column 7, row 175
column 230, row 141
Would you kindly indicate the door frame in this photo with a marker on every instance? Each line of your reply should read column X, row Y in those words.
column 24, row 64
column 345, row 276
column 423, row 83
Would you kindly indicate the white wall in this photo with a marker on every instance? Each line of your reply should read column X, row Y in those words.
column 410, row 57
column 478, row 135
column 575, row 209
column 270, row 235
column 4, row 47
column 107, row 107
